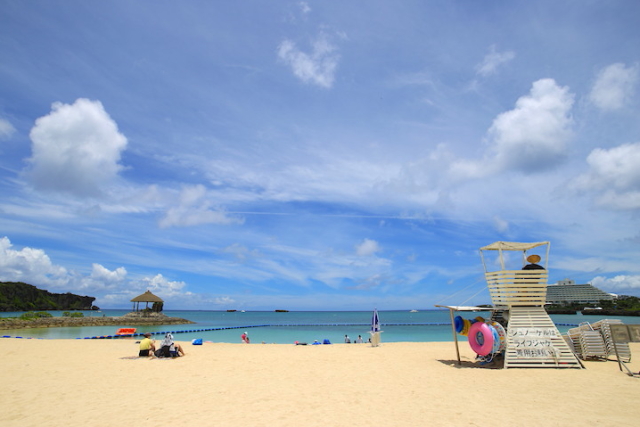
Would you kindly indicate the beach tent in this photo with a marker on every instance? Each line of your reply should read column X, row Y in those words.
column 147, row 297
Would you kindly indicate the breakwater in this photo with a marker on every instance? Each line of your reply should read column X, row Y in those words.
column 65, row 322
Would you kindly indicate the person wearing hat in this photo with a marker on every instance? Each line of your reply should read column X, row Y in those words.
column 245, row 338
column 533, row 261
column 147, row 346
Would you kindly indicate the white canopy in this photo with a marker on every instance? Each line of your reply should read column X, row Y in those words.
column 465, row 308
column 512, row 246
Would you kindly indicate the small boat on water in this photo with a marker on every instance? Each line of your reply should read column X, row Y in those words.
column 413, row 311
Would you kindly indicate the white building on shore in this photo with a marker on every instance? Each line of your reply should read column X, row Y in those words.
column 566, row 291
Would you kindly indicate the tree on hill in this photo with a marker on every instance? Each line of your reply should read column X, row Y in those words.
column 18, row 296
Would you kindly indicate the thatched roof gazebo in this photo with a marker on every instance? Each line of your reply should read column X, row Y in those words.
column 147, row 297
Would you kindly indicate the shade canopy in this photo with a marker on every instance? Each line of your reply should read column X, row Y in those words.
column 453, row 308
column 503, row 247
column 512, row 246
column 147, row 297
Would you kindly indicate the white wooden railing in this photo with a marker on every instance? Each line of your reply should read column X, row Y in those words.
column 517, row 287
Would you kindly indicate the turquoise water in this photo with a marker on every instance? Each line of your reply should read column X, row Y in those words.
column 286, row 328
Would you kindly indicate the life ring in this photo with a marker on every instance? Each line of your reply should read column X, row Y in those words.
column 481, row 338
column 501, row 341
column 458, row 322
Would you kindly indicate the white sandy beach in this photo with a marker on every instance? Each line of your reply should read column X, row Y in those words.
column 99, row 383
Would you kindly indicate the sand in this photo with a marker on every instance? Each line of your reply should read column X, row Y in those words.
column 99, row 383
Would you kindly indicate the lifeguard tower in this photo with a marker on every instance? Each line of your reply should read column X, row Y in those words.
column 518, row 292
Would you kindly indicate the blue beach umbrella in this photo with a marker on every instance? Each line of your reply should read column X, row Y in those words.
column 375, row 329
column 375, row 321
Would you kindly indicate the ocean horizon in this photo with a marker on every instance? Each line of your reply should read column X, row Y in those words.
column 432, row 325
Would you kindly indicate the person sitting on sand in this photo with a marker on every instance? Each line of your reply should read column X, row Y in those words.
column 533, row 260
column 347, row 340
column 170, row 348
column 147, row 346
column 245, row 337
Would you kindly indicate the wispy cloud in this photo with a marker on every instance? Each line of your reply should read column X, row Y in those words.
column 493, row 60
column 614, row 86
column 317, row 67
column 196, row 208
column 6, row 129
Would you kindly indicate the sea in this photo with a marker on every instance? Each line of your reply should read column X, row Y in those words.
column 289, row 327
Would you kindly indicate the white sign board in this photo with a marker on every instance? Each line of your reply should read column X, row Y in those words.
column 622, row 334
column 533, row 343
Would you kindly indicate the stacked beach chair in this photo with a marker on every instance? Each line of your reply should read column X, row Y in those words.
column 624, row 352
column 587, row 343
column 595, row 341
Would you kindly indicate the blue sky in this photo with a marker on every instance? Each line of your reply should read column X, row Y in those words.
column 315, row 155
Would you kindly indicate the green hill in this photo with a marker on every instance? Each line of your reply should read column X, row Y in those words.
column 17, row 296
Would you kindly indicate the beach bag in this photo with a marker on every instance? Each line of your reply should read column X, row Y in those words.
column 165, row 351
column 197, row 341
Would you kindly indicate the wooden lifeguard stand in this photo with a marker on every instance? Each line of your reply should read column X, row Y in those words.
column 519, row 296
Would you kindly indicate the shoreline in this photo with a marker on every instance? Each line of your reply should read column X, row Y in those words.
column 55, row 382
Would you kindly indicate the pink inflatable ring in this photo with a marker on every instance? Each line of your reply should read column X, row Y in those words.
column 481, row 338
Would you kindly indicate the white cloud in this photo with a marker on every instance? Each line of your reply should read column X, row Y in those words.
column 31, row 266
column 617, row 283
column 614, row 86
column 103, row 278
column 493, row 60
column 614, row 176
column 533, row 136
column 195, row 208
column 224, row 301
column 159, row 285
column 367, row 247
column 75, row 149
column 317, row 67
column 6, row 129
